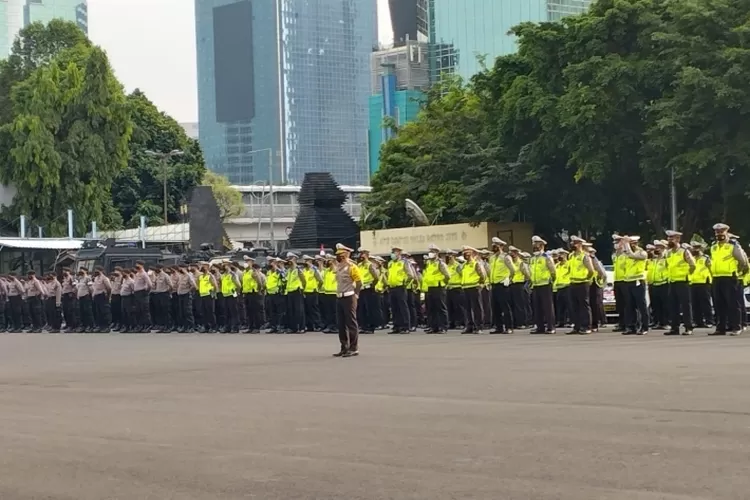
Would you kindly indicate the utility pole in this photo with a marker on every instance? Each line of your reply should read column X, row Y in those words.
column 164, row 157
column 270, row 192
column 673, row 201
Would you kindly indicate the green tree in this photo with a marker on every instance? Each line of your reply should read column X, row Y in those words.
column 138, row 190
column 228, row 198
column 66, row 133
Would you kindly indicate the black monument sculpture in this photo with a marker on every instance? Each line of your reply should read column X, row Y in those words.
column 321, row 220
column 205, row 220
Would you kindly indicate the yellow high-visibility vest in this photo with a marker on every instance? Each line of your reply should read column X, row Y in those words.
column 620, row 263
column 205, row 287
column 397, row 273
column 380, row 285
column 677, row 268
column 635, row 270
column 518, row 276
column 432, row 277
column 562, row 277
column 657, row 274
column 499, row 271
column 367, row 277
column 249, row 285
column 227, row 285
column 329, row 281
column 469, row 276
column 723, row 263
column 455, row 280
column 578, row 272
column 311, row 282
column 702, row 274
column 293, row 283
column 273, row 282
column 540, row 275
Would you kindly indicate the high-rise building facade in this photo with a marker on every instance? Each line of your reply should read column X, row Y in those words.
column 283, row 88
column 463, row 32
column 408, row 20
column 17, row 14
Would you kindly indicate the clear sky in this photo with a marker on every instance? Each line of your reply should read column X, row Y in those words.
column 151, row 46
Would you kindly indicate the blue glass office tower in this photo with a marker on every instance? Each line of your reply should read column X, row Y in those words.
column 17, row 14
column 286, row 76
column 461, row 30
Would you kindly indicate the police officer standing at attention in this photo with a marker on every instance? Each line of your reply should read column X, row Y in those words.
column 141, row 290
column 700, row 286
column 658, row 285
column 295, row 305
column 102, row 288
column 472, row 278
column 368, row 308
column 16, row 292
column 543, row 274
column 349, row 284
column 399, row 273
column 116, row 306
column 53, row 303
column 69, row 298
column 581, row 276
column 253, row 292
column 680, row 264
column 85, row 303
column 596, row 291
column 728, row 261
column 313, row 280
column 618, row 261
column 501, row 271
column 455, row 292
column 34, row 295
column 637, row 320
column 161, row 297
column 435, row 277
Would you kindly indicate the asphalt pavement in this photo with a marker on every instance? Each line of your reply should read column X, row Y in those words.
column 118, row 416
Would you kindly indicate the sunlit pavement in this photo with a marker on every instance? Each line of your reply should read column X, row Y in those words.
column 109, row 416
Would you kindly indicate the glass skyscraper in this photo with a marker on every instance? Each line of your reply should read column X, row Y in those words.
column 461, row 31
column 16, row 14
column 285, row 77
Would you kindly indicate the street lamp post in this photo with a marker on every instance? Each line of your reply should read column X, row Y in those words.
column 270, row 191
column 164, row 157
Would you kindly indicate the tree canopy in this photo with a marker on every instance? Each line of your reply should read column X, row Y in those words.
column 581, row 129
column 227, row 198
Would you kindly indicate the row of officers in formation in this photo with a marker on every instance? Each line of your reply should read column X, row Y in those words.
column 505, row 289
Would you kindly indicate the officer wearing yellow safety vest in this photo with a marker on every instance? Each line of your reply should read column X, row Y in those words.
column 294, row 291
column 229, row 286
column 501, row 271
column 596, row 290
column 348, row 285
column 382, row 309
column 276, row 302
column 398, row 274
column 207, row 287
column 313, row 280
column 581, row 277
column 472, row 278
column 561, row 287
column 484, row 290
column 368, row 308
column 455, row 294
column 728, row 262
column 520, row 297
column 658, row 285
column 700, row 286
column 680, row 264
column 637, row 320
column 618, row 262
column 253, row 295
column 327, row 297
column 543, row 274
column 435, row 278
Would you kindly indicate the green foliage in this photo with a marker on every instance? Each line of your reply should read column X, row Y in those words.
column 64, row 128
column 228, row 198
column 138, row 190
column 580, row 130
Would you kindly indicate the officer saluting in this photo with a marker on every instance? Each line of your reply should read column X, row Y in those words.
column 728, row 261
column 349, row 284
column 680, row 265
column 543, row 274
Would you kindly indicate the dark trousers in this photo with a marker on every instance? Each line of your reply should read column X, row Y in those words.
column 220, row 311
column 700, row 294
column 185, row 303
column 116, row 309
column 636, row 314
column 312, row 311
column 295, row 311
column 455, row 308
column 502, row 315
column 232, row 321
column 620, row 301
column 208, row 316
column 413, row 305
column 127, row 306
column 741, row 303
column 473, row 309
column 519, row 301
column 162, row 308
column 368, row 310
column 255, row 310
column 174, row 309
column 486, row 306
column 659, row 295
column 327, row 303
column 596, row 299
column 679, row 302
column 103, row 311
column 54, row 320
column 437, row 309
column 579, row 295
column 86, row 311
column 276, row 309
column 3, row 315
column 35, row 312
column 727, row 310
column 16, row 312
column 197, row 319
column 563, row 306
column 346, row 317
column 70, row 310
column 399, row 309
column 544, row 310
column 142, row 309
